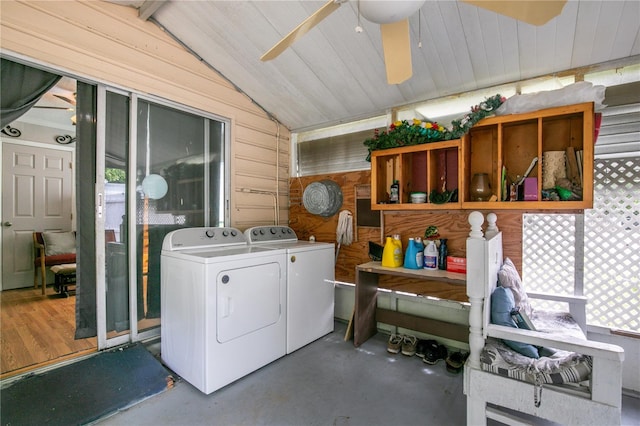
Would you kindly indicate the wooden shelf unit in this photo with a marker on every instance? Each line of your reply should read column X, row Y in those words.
column 418, row 168
column 515, row 140
column 509, row 140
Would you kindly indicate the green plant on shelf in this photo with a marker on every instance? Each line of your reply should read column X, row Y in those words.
column 405, row 133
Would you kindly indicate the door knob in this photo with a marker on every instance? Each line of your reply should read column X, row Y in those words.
column 7, row 224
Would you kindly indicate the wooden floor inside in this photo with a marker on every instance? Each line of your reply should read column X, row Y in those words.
column 37, row 330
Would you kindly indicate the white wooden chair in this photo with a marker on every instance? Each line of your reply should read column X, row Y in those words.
column 596, row 401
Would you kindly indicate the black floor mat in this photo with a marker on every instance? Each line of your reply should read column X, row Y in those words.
column 84, row 391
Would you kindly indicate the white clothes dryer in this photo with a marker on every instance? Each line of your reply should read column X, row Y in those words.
column 223, row 306
column 310, row 282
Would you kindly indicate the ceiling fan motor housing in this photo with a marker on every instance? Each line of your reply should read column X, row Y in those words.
column 386, row 12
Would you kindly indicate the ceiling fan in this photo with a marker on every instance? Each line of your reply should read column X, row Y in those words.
column 66, row 96
column 393, row 17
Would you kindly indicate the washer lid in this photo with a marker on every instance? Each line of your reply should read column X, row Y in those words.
column 323, row 198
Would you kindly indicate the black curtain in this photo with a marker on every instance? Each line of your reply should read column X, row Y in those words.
column 21, row 87
column 86, row 112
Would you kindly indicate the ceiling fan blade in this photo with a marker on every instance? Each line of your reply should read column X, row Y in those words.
column 529, row 11
column 396, row 45
column 302, row 29
column 70, row 100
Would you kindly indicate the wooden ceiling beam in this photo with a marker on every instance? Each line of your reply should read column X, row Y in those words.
column 149, row 7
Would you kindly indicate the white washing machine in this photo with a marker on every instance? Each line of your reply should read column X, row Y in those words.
column 310, row 282
column 223, row 306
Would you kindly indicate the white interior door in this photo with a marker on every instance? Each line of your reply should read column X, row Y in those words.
column 36, row 196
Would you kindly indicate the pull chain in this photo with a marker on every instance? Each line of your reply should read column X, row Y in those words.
column 419, row 30
column 358, row 27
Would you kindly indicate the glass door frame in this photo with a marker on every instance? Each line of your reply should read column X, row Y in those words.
column 134, row 335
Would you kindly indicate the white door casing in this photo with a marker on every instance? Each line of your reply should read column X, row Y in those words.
column 36, row 196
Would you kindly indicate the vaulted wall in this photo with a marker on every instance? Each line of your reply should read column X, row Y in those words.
column 108, row 43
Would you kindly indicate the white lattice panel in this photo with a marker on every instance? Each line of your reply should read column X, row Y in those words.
column 548, row 256
column 611, row 249
column 612, row 245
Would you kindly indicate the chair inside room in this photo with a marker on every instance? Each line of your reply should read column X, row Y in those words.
column 42, row 260
column 554, row 373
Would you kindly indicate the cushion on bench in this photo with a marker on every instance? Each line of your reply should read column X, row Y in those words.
column 557, row 368
column 65, row 268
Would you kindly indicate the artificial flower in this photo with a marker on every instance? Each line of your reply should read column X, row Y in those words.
column 404, row 133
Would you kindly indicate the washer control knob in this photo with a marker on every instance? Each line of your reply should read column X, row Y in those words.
column 234, row 233
column 261, row 231
column 225, row 233
column 209, row 233
column 254, row 232
column 273, row 231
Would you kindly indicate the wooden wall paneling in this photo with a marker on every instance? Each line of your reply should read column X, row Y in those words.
column 108, row 43
column 306, row 224
column 452, row 225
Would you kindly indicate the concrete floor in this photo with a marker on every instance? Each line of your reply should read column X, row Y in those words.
column 329, row 382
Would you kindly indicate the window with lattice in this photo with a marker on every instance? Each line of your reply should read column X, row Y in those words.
column 612, row 245
column 611, row 260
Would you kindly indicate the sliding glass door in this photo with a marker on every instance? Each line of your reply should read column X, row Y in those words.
column 163, row 168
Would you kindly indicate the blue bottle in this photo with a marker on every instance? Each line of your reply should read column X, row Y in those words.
column 410, row 255
column 413, row 255
column 442, row 254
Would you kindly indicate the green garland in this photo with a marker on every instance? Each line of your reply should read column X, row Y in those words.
column 403, row 133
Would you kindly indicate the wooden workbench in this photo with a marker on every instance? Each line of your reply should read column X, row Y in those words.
column 443, row 285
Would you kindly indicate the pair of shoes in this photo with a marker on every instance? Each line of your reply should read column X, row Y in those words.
column 434, row 352
column 394, row 343
column 421, row 348
column 455, row 362
column 409, row 345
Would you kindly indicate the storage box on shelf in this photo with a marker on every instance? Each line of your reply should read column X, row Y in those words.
column 418, row 168
column 512, row 142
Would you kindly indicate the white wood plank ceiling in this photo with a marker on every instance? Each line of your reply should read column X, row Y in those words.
column 334, row 75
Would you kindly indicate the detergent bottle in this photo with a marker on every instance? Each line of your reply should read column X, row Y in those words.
column 397, row 251
column 431, row 256
column 410, row 255
column 387, row 253
column 413, row 258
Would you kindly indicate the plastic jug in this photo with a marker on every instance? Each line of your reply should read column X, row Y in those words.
column 410, row 255
column 397, row 251
column 387, row 253
column 413, row 256
column 431, row 256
